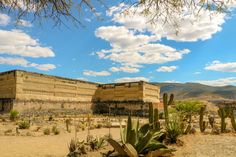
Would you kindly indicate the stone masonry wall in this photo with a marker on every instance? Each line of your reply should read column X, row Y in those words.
column 26, row 90
column 7, row 85
column 120, row 92
column 33, row 86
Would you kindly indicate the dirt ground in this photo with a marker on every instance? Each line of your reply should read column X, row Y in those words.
column 33, row 143
column 45, row 146
column 200, row 145
column 197, row 145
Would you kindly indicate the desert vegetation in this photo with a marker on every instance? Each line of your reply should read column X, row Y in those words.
column 160, row 133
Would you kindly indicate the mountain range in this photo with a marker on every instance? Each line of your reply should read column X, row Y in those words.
column 198, row 91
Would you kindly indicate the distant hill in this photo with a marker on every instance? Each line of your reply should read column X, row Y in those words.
column 198, row 91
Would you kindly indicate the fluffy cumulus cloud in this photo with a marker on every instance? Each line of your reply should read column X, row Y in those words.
column 4, row 19
column 134, row 41
column 203, row 26
column 131, row 79
column 219, row 82
column 25, row 63
column 167, row 68
column 96, row 73
column 134, row 49
column 16, row 46
column 17, row 42
column 222, row 67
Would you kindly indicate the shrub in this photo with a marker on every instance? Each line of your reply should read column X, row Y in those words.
column 189, row 107
column 98, row 126
column 46, row 131
column 55, row 130
column 24, row 125
column 173, row 130
column 14, row 115
column 97, row 143
column 50, row 118
column 76, row 148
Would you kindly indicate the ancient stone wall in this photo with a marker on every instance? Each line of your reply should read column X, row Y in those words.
column 26, row 90
column 151, row 93
column 7, row 85
column 33, row 86
column 7, row 91
column 120, row 92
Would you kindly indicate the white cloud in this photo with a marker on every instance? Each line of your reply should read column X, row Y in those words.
column 135, row 41
column 24, row 23
column 203, row 24
column 96, row 73
column 134, row 49
column 4, row 19
column 131, row 79
column 222, row 67
column 219, row 82
column 167, row 68
column 24, row 63
column 16, row 42
column 124, row 69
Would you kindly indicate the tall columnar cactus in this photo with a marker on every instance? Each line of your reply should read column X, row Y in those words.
column 166, row 103
column 156, row 124
column 153, row 118
column 211, row 121
column 223, row 114
column 151, row 113
column 202, row 123
column 231, row 115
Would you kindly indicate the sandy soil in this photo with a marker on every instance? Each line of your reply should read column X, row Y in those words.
column 45, row 146
column 200, row 145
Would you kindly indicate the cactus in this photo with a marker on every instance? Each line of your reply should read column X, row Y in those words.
column 202, row 123
column 223, row 114
column 151, row 113
column 167, row 103
column 231, row 115
column 211, row 121
column 153, row 118
column 138, row 138
column 156, row 124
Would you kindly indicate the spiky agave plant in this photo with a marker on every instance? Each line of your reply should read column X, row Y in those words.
column 173, row 130
column 137, row 140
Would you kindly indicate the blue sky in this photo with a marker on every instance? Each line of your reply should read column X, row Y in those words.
column 124, row 48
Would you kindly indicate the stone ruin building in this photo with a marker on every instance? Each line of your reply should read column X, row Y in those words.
column 22, row 90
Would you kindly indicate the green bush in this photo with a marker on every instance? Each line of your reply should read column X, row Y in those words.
column 55, row 130
column 46, row 131
column 14, row 115
column 24, row 125
column 188, row 107
column 173, row 130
